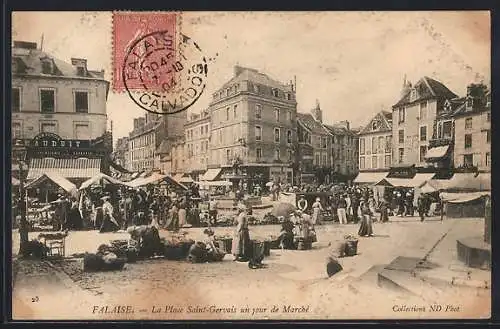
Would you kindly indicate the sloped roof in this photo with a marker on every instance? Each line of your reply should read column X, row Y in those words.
column 31, row 64
column 253, row 75
column 427, row 88
column 308, row 121
column 382, row 116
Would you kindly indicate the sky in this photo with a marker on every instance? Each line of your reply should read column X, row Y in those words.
column 353, row 63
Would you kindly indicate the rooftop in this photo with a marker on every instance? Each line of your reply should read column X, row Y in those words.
column 427, row 88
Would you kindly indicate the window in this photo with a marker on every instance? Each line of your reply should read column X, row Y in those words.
column 82, row 131
column 361, row 162
column 228, row 154
column 288, row 96
column 388, row 144
column 423, row 111
column 488, row 116
column 201, row 130
column 46, row 127
column 288, row 116
column 423, row 151
column 401, row 116
column 276, row 154
column 387, row 161
column 276, row 135
column 275, row 93
column 227, row 114
column 374, row 145
column 468, row 123
column 290, row 155
column 46, row 66
column 468, row 160
column 374, row 125
column 423, row 133
column 324, row 142
column 258, row 133
column 488, row 159
column 401, row 153
column 374, row 162
column 258, row 153
column 317, row 159
column 401, row 136
column 81, row 101
column 413, row 95
column 324, row 163
column 468, row 141
column 47, row 100
column 289, row 137
column 235, row 111
column 256, row 89
column 381, row 146
column 17, row 130
column 447, row 129
column 80, row 71
column 361, row 146
column 258, row 111
column 277, row 114
column 16, row 99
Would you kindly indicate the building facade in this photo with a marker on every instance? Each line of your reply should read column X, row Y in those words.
column 253, row 124
column 120, row 152
column 314, row 148
column 472, row 133
column 59, row 112
column 414, row 117
column 375, row 143
column 197, row 149
column 152, row 138
column 344, row 150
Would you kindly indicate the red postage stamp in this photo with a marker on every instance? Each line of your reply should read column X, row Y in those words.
column 131, row 27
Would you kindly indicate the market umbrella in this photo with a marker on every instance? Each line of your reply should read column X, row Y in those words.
column 283, row 209
column 269, row 184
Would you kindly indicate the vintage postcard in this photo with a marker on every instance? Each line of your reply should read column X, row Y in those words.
column 251, row 165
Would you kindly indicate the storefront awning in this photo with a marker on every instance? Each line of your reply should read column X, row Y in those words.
column 211, row 174
column 436, row 153
column 464, row 182
column 67, row 168
column 370, row 177
column 154, row 178
column 182, row 179
column 417, row 181
column 462, row 197
column 99, row 179
column 56, row 179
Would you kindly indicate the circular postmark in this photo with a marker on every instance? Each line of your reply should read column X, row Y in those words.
column 162, row 76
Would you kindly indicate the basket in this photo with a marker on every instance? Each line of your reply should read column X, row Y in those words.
column 351, row 247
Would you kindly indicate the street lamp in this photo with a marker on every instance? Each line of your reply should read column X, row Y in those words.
column 19, row 150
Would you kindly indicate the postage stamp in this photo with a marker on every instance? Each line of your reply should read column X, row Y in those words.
column 162, row 70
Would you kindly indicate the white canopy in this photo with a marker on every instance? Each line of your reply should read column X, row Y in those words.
column 210, row 174
column 215, row 183
column 370, row 177
column 437, row 152
column 98, row 179
column 417, row 181
column 153, row 179
column 60, row 181
column 462, row 182
column 462, row 197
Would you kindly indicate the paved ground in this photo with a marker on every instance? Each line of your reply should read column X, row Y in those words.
column 295, row 278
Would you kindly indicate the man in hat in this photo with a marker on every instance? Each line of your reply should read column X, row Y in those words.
column 241, row 241
column 341, row 209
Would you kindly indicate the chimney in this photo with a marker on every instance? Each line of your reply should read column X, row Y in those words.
column 25, row 45
column 136, row 123
column 237, row 70
column 81, row 66
column 317, row 113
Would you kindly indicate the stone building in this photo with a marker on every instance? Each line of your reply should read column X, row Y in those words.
column 314, row 147
column 472, row 133
column 414, row 117
column 344, row 151
column 253, row 126
column 197, row 150
column 59, row 114
column 120, row 152
column 375, row 143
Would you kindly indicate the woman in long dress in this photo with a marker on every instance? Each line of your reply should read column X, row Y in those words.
column 317, row 209
column 109, row 223
column 241, row 241
column 366, row 228
column 182, row 214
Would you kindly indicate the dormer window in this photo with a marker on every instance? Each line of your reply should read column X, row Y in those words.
column 275, row 93
column 47, row 66
column 470, row 102
column 80, row 71
column 288, row 96
column 256, row 89
column 413, row 95
column 374, row 125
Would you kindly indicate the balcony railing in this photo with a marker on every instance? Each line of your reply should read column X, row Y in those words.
column 440, row 142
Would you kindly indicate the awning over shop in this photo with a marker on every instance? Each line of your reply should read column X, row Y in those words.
column 67, row 168
column 154, row 179
column 211, row 174
column 370, row 177
column 215, row 183
column 462, row 197
column 100, row 179
column 436, row 152
column 56, row 179
column 417, row 181
column 463, row 182
column 183, row 179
